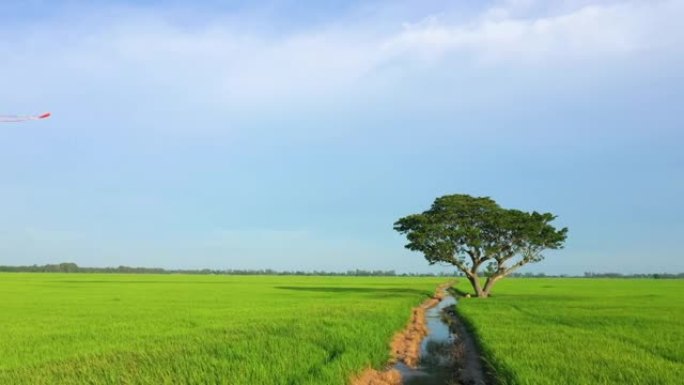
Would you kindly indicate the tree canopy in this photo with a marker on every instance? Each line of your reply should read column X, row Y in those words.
column 469, row 232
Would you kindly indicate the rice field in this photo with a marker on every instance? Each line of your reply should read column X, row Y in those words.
column 192, row 329
column 197, row 329
column 581, row 331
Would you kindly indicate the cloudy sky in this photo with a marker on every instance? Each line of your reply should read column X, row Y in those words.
column 292, row 134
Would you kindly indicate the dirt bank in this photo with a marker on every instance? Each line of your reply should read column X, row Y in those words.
column 376, row 377
column 466, row 355
column 405, row 346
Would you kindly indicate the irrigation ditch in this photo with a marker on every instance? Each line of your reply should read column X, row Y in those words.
column 434, row 349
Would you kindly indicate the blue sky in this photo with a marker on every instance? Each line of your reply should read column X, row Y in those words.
column 291, row 135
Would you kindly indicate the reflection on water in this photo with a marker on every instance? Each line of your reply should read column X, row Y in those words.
column 436, row 362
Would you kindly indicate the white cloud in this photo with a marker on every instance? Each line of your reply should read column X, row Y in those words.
column 139, row 58
column 502, row 34
column 215, row 59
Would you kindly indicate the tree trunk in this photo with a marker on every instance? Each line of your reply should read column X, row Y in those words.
column 489, row 284
column 475, row 282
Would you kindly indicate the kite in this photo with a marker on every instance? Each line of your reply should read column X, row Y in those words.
column 18, row 118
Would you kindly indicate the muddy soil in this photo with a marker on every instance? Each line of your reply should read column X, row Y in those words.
column 468, row 365
column 434, row 349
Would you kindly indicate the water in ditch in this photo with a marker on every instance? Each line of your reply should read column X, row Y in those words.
column 436, row 360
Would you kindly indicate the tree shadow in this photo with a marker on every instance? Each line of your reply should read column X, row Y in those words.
column 360, row 290
column 458, row 292
column 142, row 281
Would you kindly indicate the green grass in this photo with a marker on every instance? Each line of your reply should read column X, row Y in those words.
column 182, row 329
column 582, row 331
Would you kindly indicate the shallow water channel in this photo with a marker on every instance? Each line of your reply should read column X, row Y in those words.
column 436, row 363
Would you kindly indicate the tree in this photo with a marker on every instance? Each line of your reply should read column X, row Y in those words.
column 467, row 232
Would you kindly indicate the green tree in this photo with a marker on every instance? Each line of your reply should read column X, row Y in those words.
column 467, row 232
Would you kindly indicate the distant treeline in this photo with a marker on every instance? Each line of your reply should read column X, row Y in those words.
column 599, row 275
column 618, row 275
column 69, row 267
column 74, row 268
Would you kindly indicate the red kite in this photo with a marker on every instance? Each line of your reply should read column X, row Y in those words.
column 17, row 118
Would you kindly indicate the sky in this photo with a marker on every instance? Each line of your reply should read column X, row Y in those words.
column 292, row 134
